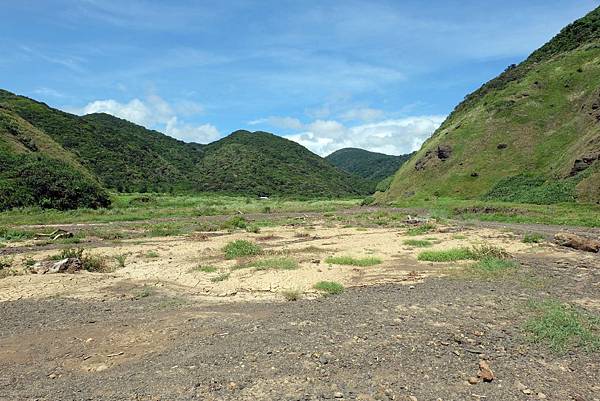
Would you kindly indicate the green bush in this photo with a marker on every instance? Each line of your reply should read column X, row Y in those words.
column 240, row 248
column 329, row 287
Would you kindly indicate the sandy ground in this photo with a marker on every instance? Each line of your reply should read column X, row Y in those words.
column 403, row 330
column 172, row 270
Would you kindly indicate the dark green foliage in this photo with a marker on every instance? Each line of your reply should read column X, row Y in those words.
column 369, row 165
column 260, row 163
column 28, row 180
column 129, row 158
column 533, row 189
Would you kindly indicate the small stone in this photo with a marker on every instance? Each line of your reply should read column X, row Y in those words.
column 412, row 398
column 485, row 372
column 541, row 396
column 338, row 394
column 473, row 380
column 52, row 376
column 527, row 391
column 520, row 386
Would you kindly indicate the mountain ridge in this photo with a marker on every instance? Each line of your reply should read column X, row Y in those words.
column 529, row 135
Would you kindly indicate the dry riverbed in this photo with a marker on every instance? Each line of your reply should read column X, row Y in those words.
column 176, row 318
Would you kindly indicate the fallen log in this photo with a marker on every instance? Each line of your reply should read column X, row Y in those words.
column 577, row 242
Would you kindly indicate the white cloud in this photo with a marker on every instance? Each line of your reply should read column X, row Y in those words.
column 156, row 113
column 202, row 133
column 363, row 114
column 392, row 136
column 279, row 122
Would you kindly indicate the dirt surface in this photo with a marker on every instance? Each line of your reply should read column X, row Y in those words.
column 402, row 330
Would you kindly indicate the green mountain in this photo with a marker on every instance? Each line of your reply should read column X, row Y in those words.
column 369, row 165
column 99, row 151
column 531, row 135
column 37, row 171
column 124, row 156
column 263, row 163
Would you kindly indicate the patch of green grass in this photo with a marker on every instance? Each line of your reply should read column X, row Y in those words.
column 350, row 261
column 253, row 228
column 533, row 238
column 241, row 248
column 493, row 267
column 220, row 277
column 29, row 262
column 68, row 253
column 447, row 255
column 329, row 287
column 151, row 254
column 279, row 263
column 421, row 229
column 418, row 243
column 12, row 234
column 459, row 236
column 563, row 327
column 204, row 269
column 291, row 294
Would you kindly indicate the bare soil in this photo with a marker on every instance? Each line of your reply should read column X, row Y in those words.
column 157, row 330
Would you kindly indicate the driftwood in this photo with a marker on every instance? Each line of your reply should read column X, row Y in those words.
column 56, row 234
column 577, row 242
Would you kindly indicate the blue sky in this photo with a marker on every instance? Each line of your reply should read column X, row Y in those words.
column 381, row 75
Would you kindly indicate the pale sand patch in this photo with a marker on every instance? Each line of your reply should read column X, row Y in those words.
column 170, row 272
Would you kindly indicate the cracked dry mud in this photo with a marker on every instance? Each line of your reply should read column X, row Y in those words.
column 382, row 339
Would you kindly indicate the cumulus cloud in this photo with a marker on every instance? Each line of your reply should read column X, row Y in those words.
column 391, row 136
column 156, row 113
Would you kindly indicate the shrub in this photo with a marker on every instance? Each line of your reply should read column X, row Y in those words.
column 329, row 287
column 240, row 248
column 234, row 222
column 291, row 295
column 489, row 251
column 350, row 261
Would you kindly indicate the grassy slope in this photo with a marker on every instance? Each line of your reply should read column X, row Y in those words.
column 542, row 109
column 260, row 162
column 37, row 171
column 369, row 165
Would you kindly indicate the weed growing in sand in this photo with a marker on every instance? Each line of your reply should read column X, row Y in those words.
column 91, row 263
column 241, row 248
column 448, row 255
column 418, row 243
column 204, row 269
column 68, row 253
column 563, row 327
column 350, row 261
column 280, row 263
column 329, row 287
column 421, row 229
column 144, row 292
column 220, row 277
column 121, row 258
column 291, row 294
column 489, row 251
column 151, row 254
column 533, row 238
column 459, row 236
